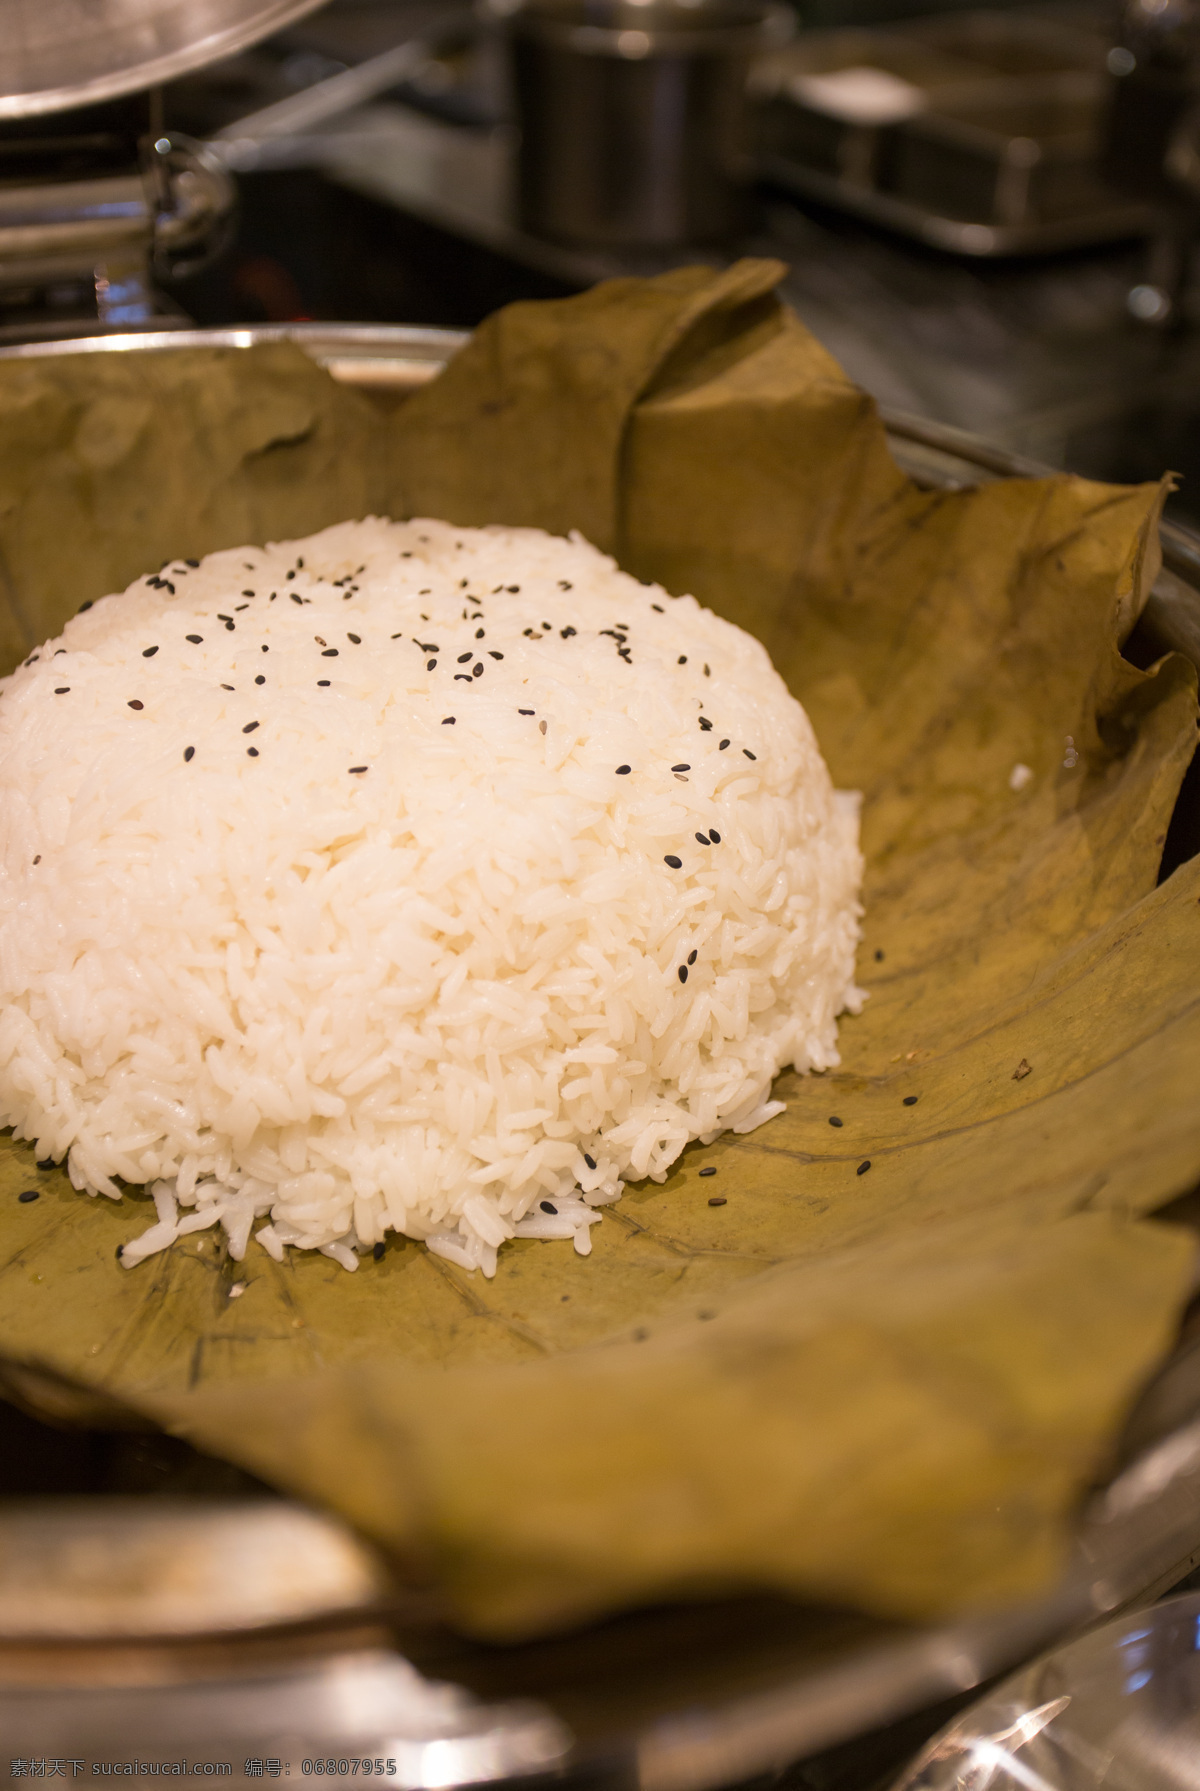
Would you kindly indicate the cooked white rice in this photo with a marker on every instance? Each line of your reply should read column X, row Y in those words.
column 410, row 878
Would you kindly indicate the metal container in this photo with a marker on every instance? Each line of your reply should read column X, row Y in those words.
column 689, row 1697
column 632, row 116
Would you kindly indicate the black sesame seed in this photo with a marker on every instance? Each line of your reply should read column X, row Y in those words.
column 290, row 575
column 514, row 589
column 196, row 639
column 546, row 626
column 658, row 607
column 564, row 584
column 247, row 593
column 28, row 1195
column 260, row 679
column 879, row 957
column 447, row 721
column 624, row 770
column 462, row 677
column 676, row 864
column 707, row 672
column 492, row 654
column 590, row 1161
column 702, row 839
column 692, row 956
column 189, row 753
column 377, row 1252
column 708, row 1170
column 86, row 605
column 705, row 725
column 479, row 634
column 431, row 665
column 149, row 652
column 548, row 1206
column 748, row 753
column 714, row 837
column 681, row 768
column 249, row 727
column 835, row 1121
column 330, row 653
column 252, row 751
column 682, row 660
column 683, row 973
column 357, row 770
column 62, row 690
column 717, row 1200
column 294, row 596
column 134, row 704
column 462, row 659
column 722, row 746
column 567, row 633
column 266, row 649
column 863, row 1167
column 229, row 627
column 356, row 638
column 541, row 727
column 322, row 683
column 38, row 859
column 477, row 669
column 46, row 1163
column 192, row 563
column 227, row 687
column 526, row 711
column 911, row 1100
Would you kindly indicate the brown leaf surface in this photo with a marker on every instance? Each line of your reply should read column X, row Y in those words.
column 884, row 1387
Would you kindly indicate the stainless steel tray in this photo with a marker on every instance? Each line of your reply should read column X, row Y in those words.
column 689, row 1698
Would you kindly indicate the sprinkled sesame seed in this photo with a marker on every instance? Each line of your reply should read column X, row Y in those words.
column 514, row 589
column 479, row 634
column 247, row 593
column 27, row 1196
column 548, row 1206
column 149, row 652
column 541, row 727
column 692, row 956
column 567, row 633
column 192, row 563
column 295, row 597
column 447, row 721
column 492, row 654
column 38, row 859
column 462, row 659
column 863, row 1167
column 683, row 973
column 703, row 839
column 266, row 649
column 189, row 753
column 196, row 639
column 564, row 584
column 723, row 744
column 717, row 1200
column 879, row 957
column 357, row 639
column 681, row 768
column 590, row 1161
column 330, row 653
column 682, row 660
column 705, row 725
column 62, row 690
column 526, row 711
column 911, row 1100
column 252, row 751
column 676, row 864
column 708, row 1170
column 249, row 727
column 45, row 1163
column 748, row 753
column 227, row 687
column 658, row 607
column 260, row 679
column 462, row 677
column 357, row 770
column 624, row 770
column 431, row 665
column 322, row 683
column 707, row 672
column 377, row 1252
column 835, row 1121
column 134, row 704
column 714, row 837
column 477, row 669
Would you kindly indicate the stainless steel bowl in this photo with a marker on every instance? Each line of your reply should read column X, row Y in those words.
column 693, row 1697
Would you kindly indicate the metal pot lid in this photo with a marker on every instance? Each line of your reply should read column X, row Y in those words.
column 64, row 53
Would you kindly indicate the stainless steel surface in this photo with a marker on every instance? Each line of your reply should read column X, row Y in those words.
column 169, row 212
column 1119, row 1708
column 991, row 144
column 85, row 1569
column 631, row 117
column 698, row 1700
column 63, row 53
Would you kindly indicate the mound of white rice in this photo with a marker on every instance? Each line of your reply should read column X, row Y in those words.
column 408, row 878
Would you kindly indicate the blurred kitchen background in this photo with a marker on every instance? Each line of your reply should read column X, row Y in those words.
column 985, row 215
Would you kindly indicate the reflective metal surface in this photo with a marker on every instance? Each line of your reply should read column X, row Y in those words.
column 63, row 53
column 693, row 1698
column 1120, row 1709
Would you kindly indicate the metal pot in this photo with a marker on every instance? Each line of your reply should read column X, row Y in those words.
column 632, row 115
